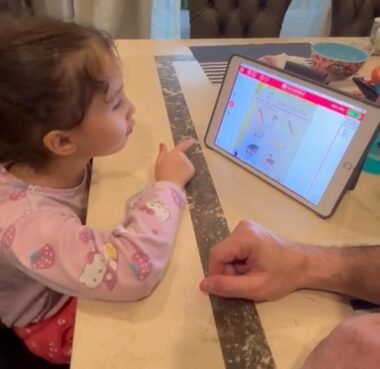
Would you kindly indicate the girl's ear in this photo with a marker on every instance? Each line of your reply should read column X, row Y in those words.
column 59, row 143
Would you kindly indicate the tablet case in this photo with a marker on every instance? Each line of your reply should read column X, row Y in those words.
column 311, row 74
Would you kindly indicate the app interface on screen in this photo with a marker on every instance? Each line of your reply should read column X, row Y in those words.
column 288, row 132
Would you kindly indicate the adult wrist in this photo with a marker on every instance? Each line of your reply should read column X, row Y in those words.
column 324, row 268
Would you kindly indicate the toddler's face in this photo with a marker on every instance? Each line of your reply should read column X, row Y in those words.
column 109, row 119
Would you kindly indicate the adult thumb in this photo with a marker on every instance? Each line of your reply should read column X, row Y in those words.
column 237, row 286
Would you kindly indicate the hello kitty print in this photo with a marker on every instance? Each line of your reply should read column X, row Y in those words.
column 49, row 243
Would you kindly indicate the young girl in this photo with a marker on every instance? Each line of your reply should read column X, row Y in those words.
column 61, row 104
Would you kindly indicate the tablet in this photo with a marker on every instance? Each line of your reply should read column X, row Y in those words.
column 303, row 138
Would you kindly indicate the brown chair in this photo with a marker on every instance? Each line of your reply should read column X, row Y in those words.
column 353, row 17
column 236, row 18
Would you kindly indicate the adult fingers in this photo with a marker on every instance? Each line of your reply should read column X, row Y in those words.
column 229, row 251
column 229, row 286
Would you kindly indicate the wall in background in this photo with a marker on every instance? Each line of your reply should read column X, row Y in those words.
column 121, row 18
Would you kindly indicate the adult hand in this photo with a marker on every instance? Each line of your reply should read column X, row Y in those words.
column 254, row 263
column 174, row 166
column 353, row 344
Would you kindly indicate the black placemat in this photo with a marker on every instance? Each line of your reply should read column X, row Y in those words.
column 213, row 59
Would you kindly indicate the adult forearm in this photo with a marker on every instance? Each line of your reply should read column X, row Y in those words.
column 353, row 271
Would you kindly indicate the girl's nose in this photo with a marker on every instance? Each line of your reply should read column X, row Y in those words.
column 130, row 109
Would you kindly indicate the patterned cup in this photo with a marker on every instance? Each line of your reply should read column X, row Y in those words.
column 338, row 61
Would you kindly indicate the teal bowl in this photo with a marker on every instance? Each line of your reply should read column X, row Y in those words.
column 337, row 60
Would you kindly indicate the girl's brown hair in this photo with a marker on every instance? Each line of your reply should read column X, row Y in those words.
column 49, row 73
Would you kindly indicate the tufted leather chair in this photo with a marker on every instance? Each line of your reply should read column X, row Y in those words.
column 353, row 17
column 236, row 18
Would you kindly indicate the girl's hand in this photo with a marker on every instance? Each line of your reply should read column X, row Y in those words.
column 174, row 166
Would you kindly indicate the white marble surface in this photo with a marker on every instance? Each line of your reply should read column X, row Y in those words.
column 174, row 328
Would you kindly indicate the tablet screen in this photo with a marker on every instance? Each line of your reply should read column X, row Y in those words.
column 290, row 133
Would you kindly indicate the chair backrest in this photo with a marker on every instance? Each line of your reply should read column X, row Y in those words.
column 236, row 18
column 353, row 17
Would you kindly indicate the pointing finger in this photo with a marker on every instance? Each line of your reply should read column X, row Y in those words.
column 162, row 151
column 185, row 145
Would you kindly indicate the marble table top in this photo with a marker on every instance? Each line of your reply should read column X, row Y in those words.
column 178, row 327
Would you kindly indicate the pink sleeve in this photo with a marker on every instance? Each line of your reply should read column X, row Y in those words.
column 52, row 247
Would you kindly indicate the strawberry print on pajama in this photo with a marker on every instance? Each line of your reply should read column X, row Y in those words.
column 46, row 249
column 43, row 258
